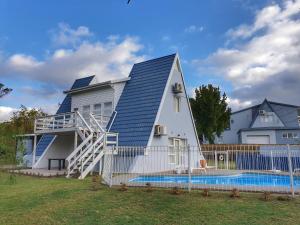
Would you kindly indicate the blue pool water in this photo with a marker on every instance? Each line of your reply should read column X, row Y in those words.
column 243, row 179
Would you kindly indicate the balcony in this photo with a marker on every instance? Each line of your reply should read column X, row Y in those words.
column 66, row 122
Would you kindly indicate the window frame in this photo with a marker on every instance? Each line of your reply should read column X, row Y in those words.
column 94, row 109
column 104, row 108
column 177, row 106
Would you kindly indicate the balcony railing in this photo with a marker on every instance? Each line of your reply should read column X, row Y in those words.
column 69, row 121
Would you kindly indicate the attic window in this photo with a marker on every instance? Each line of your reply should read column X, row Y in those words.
column 177, row 104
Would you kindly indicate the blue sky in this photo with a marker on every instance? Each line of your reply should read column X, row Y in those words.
column 248, row 48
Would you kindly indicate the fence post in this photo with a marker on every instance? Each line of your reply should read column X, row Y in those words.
column 189, row 167
column 111, row 167
column 272, row 163
column 291, row 171
column 227, row 160
column 216, row 160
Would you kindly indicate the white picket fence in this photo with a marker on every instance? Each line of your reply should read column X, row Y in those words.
column 266, row 168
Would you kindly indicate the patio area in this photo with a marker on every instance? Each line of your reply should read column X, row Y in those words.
column 41, row 172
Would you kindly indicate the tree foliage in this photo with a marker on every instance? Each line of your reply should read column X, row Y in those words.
column 22, row 122
column 210, row 111
column 4, row 90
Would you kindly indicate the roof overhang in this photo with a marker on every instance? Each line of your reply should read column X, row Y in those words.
column 97, row 86
column 268, row 129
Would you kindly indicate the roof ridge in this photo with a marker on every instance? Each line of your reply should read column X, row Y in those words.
column 159, row 58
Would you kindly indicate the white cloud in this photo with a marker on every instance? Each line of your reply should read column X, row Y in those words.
column 107, row 60
column 193, row 29
column 65, row 35
column 265, row 53
column 6, row 113
column 46, row 78
column 22, row 63
column 236, row 104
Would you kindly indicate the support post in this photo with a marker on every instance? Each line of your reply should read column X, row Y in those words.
column 34, row 150
column 75, row 139
column 189, row 168
column 291, row 171
column 111, row 167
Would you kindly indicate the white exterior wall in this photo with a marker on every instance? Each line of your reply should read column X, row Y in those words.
column 237, row 121
column 179, row 125
column 92, row 97
column 61, row 148
column 101, row 95
column 118, row 89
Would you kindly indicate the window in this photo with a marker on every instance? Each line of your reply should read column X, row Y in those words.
column 232, row 121
column 97, row 109
column 86, row 110
column 171, row 153
column 290, row 135
column 177, row 104
column 176, row 148
column 75, row 109
column 107, row 111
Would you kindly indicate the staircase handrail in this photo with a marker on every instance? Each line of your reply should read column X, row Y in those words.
column 83, row 120
column 79, row 147
column 113, row 119
column 99, row 126
column 92, row 147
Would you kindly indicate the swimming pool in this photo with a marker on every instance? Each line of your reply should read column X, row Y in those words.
column 243, row 179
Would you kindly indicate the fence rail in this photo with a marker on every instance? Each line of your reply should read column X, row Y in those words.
column 267, row 168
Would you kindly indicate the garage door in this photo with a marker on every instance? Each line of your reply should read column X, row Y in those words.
column 258, row 139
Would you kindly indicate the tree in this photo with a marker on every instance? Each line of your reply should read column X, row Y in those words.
column 22, row 121
column 4, row 90
column 210, row 111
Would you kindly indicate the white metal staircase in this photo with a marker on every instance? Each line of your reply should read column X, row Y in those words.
column 96, row 139
column 89, row 153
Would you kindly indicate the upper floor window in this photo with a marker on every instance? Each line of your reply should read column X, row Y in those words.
column 177, row 104
column 107, row 111
column 86, row 110
column 97, row 109
column 289, row 135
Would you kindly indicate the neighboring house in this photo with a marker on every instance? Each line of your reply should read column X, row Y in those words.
column 148, row 108
column 265, row 123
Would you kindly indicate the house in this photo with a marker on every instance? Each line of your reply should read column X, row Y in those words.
column 265, row 123
column 148, row 108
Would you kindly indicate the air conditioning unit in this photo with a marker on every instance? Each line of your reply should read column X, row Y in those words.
column 262, row 112
column 160, row 130
column 177, row 88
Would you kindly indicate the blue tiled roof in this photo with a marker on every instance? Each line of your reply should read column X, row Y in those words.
column 64, row 107
column 140, row 100
column 43, row 143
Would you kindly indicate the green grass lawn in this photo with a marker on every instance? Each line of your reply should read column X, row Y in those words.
column 69, row 201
